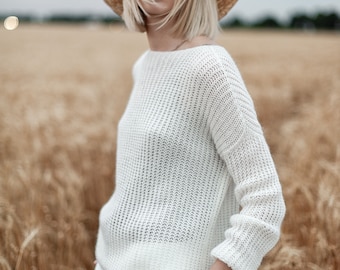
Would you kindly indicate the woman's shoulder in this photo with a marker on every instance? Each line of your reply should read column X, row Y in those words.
column 215, row 50
column 137, row 64
column 212, row 54
column 215, row 59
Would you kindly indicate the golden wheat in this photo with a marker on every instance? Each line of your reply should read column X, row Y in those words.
column 62, row 91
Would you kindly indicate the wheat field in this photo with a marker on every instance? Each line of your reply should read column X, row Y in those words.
column 62, row 91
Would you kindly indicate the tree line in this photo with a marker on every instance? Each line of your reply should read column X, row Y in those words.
column 322, row 21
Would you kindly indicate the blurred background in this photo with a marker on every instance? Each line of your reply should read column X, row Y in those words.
column 65, row 78
column 312, row 14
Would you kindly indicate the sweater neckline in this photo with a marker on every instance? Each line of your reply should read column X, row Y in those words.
column 199, row 47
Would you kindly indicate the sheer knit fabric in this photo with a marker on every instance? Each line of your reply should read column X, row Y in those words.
column 190, row 154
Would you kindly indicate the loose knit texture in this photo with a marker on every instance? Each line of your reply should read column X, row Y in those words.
column 190, row 154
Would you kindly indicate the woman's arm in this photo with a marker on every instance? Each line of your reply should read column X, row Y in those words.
column 240, row 142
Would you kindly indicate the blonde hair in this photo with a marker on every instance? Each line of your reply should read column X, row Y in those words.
column 192, row 18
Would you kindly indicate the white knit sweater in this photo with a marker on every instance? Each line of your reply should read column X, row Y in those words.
column 190, row 155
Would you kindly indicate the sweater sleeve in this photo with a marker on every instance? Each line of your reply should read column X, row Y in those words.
column 240, row 142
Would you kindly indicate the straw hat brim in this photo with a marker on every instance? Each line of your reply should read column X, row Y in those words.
column 223, row 6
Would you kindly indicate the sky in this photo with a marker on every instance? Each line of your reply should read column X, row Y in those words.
column 246, row 9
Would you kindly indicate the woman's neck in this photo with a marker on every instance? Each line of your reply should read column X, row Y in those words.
column 162, row 39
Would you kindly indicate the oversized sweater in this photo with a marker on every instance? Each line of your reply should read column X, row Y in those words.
column 195, row 180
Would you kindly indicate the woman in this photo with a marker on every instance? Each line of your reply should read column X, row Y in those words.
column 190, row 152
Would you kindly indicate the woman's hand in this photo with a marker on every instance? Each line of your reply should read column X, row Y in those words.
column 219, row 265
